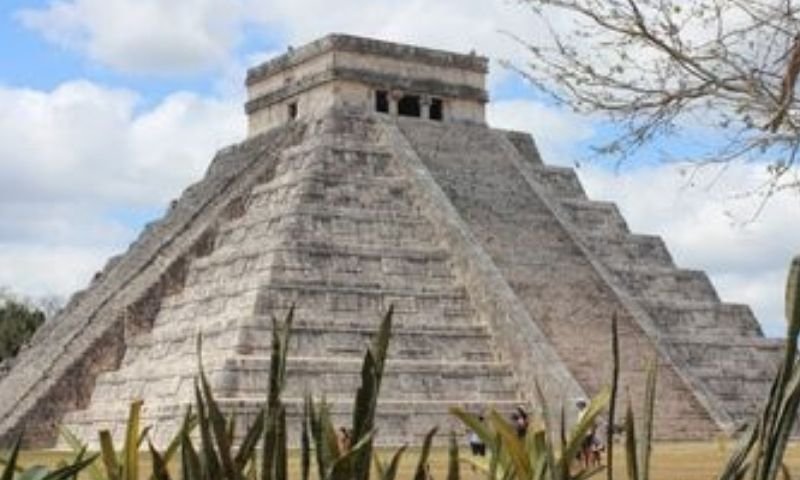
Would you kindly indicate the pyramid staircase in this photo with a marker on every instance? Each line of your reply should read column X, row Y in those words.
column 719, row 346
column 334, row 230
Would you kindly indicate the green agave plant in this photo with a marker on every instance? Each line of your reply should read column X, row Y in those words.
column 759, row 454
column 126, row 464
column 538, row 455
column 65, row 471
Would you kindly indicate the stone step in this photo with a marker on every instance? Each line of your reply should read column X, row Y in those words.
column 364, row 195
column 525, row 145
column 560, row 183
column 666, row 284
column 318, row 338
column 721, row 320
column 338, row 160
column 403, row 379
column 594, row 217
column 249, row 257
column 413, row 345
column 335, row 215
column 378, row 202
column 305, row 322
column 450, row 139
column 357, row 284
column 259, row 224
column 371, row 269
column 320, row 224
column 244, row 375
column 737, row 373
column 317, row 182
column 726, row 355
column 727, row 378
column 626, row 250
column 324, row 143
column 352, row 299
column 429, row 322
column 364, row 274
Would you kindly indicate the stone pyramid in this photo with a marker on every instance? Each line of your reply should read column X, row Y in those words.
column 370, row 178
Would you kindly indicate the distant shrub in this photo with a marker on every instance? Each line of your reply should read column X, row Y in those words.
column 18, row 322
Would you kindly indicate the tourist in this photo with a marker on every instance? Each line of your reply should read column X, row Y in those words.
column 476, row 443
column 344, row 440
column 591, row 447
column 520, row 419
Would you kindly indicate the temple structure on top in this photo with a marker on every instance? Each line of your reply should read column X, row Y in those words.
column 341, row 71
column 370, row 178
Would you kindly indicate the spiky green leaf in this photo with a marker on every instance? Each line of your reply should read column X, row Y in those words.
column 160, row 471
column 453, row 472
column 421, row 472
column 191, row 467
column 130, row 451
column 612, row 403
column 250, row 441
column 394, row 465
column 77, row 446
column 11, row 463
column 632, row 466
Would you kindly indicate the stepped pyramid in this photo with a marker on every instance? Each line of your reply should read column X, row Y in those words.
column 369, row 178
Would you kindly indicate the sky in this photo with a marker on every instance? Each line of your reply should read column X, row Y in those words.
column 110, row 108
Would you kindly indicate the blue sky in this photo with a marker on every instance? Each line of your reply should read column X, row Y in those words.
column 112, row 107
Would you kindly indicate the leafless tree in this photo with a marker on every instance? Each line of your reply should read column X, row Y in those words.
column 663, row 68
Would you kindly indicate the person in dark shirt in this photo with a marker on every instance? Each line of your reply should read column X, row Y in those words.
column 475, row 443
column 520, row 420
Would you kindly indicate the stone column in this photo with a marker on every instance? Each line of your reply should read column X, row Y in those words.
column 425, row 106
column 394, row 98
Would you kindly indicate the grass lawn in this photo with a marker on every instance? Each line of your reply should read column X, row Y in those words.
column 671, row 461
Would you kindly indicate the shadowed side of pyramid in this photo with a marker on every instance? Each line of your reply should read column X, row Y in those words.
column 574, row 264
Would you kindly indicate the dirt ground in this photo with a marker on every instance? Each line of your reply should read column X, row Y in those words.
column 671, row 461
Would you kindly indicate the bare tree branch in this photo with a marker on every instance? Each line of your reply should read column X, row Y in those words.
column 655, row 67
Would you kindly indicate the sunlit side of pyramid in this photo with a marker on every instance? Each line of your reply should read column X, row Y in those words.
column 370, row 179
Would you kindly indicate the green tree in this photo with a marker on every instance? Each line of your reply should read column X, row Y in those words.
column 18, row 321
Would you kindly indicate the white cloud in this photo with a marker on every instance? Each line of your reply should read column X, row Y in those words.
column 39, row 271
column 151, row 36
column 75, row 161
column 85, row 141
column 178, row 36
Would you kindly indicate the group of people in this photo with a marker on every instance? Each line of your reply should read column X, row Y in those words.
column 591, row 446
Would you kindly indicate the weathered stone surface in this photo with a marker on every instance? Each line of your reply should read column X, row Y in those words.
column 503, row 274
